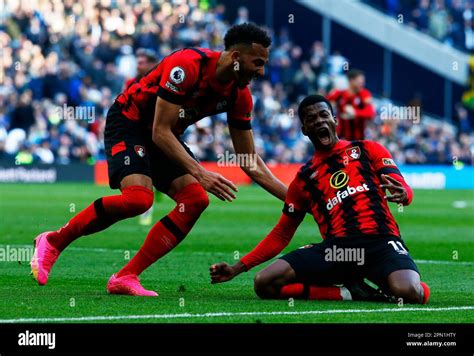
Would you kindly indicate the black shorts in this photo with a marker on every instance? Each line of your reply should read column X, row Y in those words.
column 130, row 150
column 343, row 260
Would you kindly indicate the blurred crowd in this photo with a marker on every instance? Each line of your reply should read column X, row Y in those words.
column 65, row 61
column 429, row 141
column 449, row 21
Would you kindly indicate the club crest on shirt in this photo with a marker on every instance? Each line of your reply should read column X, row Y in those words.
column 353, row 152
column 140, row 150
column 177, row 75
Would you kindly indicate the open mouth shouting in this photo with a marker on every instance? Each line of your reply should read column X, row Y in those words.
column 323, row 135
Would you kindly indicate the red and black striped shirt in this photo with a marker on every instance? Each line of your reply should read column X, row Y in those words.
column 341, row 189
column 187, row 77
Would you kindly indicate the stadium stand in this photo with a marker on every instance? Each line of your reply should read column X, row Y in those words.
column 449, row 21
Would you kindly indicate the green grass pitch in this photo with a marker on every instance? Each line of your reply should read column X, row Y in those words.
column 440, row 238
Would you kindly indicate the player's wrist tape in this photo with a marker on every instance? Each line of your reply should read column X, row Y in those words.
column 388, row 170
column 239, row 124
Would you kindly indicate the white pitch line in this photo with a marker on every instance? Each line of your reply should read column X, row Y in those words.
column 228, row 314
column 204, row 253
column 434, row 262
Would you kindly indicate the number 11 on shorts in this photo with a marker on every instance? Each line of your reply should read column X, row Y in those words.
column 400, row 249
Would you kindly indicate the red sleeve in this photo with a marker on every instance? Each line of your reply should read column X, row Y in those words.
column 294, row 211
column 239, row 116
column 367, row 111
column 383, row 163
column 333, row 95
column 179, row 74
column 128, row 82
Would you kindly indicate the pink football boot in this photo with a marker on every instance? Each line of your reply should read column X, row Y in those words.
column 129, row 285
column 44, row 257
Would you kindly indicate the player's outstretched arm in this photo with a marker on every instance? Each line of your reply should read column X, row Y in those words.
column 294, row 211
column 166, row 115
column 253, row 165
column 268, row 248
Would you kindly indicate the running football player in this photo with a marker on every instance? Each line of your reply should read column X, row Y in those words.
column 144, row 149
column 343, row 186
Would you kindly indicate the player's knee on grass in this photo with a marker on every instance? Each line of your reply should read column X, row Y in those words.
column 264, row 286
column 269, row 281
column 409, row 292
column 406, row 285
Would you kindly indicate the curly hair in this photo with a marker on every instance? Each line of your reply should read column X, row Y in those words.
column 247, row 33
column 311, row 100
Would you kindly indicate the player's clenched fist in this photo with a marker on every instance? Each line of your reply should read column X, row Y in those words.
column 223, row 272
column 398, row 191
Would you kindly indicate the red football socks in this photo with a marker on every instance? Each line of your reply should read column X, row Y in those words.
column 104, row 212
column 302, row 291
column 191, row 201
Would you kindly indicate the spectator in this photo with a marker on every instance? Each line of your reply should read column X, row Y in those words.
column 146, row 60
column 22, row 116
column 438, row 21
column 353, row 106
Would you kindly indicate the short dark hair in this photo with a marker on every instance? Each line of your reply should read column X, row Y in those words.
column 247, row 33
column 311, row 100
column 148, row 53
column 354, row 73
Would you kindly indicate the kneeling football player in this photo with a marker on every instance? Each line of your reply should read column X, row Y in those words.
column 343, row 187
